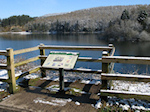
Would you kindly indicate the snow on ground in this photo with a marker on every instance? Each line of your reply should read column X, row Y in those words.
column 4, row 75
column 53, row 102
column 55, row 88
column 131, row 86
column 126, row 104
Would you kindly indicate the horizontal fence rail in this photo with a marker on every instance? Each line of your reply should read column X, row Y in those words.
column 26, row 61
column 3, row 52
column 3, row 66
column 125, row 77
column 25, row 50
column 103, row 48
column 126, row 94
column 125, row 59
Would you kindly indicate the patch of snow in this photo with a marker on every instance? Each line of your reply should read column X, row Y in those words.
column 93, row 81
column 98, row 104
column 78, row 91
column 32, row 76
column 4, row 74
column 6, row 97
column 77, row 103
column 54, row 102
column 132, row 87
column 54, row 88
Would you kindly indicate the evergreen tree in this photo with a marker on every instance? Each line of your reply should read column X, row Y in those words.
column 142, row 18
column 125, row 15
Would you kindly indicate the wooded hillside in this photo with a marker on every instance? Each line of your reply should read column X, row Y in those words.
column 114, row 22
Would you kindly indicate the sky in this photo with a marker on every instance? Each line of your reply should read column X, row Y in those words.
column 37, row 8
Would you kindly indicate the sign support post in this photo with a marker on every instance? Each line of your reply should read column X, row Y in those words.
column 61, row 79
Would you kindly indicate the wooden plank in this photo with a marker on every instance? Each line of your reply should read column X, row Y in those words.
column 126, row 59
column 126, row 77
column 3, row 52
column 126, row 94
column 88, row 59
column 3, row 66
column 100, row 48
column 25, row 50
column 26, row 61
column 76, row 70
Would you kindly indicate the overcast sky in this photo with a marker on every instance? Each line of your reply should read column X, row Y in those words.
column 36, row 8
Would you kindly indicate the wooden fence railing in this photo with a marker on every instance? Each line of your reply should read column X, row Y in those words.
column 107, row 76
column 10, row 66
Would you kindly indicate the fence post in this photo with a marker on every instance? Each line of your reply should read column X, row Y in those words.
column 105, row 69
column 42, row 52
column 11, row 70
column 110, row 45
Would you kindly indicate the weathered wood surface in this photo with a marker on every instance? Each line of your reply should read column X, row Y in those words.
column 3, row 66
column 86, row 59
column 26, row 61
column 76, row 70
column 126, row 59
column 126, row 77
column 25, row 50
column 11, row 70
column 105, row 69
column 100, row 48
column 42, row 53
column 126, row 94
column 3, row 52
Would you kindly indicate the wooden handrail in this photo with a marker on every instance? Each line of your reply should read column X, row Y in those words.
column 126, row 94
column 126, row 59
column 25, row 50
column 3, row 52
column 100, row 48
column 3, row 66
column 125, row 77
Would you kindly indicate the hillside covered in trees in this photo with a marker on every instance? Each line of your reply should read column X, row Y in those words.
column 14, row 23
column 114, row 22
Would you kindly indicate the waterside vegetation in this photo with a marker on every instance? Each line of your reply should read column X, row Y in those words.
column 119, row 23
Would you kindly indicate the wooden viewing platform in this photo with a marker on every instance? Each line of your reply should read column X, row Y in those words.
column 108, row 59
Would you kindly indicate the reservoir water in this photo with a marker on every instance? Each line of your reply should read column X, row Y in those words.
column 140, row 49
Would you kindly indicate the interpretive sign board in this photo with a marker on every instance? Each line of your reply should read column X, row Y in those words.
column 58, row 59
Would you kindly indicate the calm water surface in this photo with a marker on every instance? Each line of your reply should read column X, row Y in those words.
column 122, row 48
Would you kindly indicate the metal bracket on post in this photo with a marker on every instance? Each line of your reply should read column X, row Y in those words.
column 61, row 79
